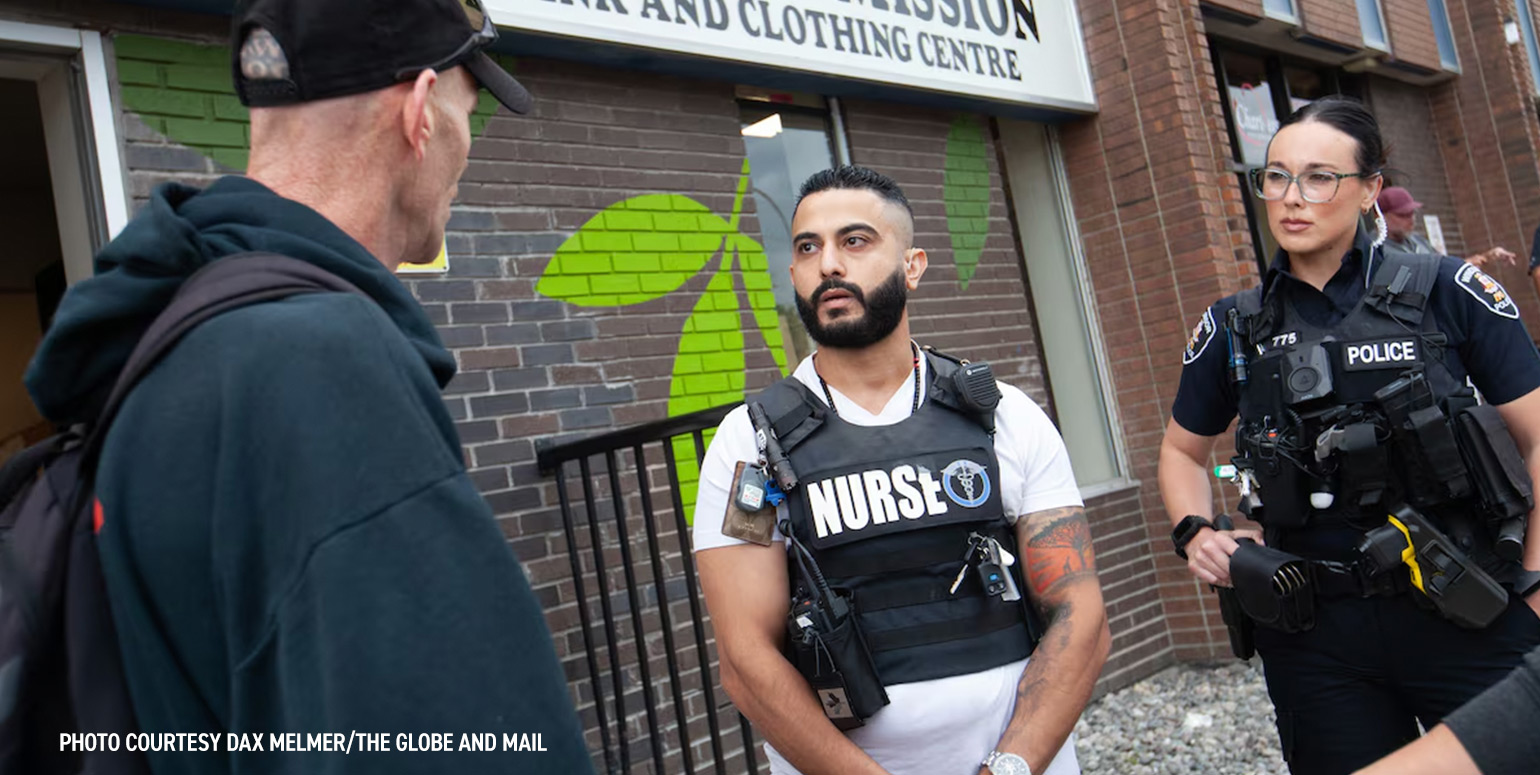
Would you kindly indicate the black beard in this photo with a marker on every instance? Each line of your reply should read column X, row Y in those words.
column 882, row 312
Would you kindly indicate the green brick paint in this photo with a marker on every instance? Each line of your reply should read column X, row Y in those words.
column 183, row 91
column 965, row 192
column 648, row 246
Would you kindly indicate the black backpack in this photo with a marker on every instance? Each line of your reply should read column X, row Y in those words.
column 60, row 669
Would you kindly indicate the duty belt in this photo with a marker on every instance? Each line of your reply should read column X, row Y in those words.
column 1357, row 579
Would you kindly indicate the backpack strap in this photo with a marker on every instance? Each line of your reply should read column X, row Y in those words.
column 1401, row 285
column 21, row 470
column 224, row 284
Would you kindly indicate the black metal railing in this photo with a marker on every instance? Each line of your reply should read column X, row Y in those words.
column 626, row 504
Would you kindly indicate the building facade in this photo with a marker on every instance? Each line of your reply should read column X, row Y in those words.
column 619, row 257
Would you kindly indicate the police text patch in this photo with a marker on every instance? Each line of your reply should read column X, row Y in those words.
column 1384, row 354
column 1486, row 290
column 1202, row 334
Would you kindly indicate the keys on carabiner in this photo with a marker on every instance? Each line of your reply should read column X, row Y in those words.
column 976, row 544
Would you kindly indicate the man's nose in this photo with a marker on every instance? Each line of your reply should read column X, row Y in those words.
column 831, row 261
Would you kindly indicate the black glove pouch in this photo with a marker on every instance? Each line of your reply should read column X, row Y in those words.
column 1274, row 588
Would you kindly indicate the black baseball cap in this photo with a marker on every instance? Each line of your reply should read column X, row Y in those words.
column 285, row 52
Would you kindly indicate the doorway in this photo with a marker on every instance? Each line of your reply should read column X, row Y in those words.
column 61, row 195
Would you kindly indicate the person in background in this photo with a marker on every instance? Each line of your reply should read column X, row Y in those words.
column 1400, row 211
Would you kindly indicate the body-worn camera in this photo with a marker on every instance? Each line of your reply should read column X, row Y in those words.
column 1306, row 374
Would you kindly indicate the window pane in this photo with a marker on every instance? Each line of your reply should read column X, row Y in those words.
column 1251, row 106
column 1067, row 324
column 784, row 147
column 1373, row 24
column 1526, row 28
column 1279, row 8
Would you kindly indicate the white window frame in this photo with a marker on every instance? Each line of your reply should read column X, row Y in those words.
column 1291, row 16
column 1531, row 48
column 1379, row 10
column 1089, row 333
column 99, row 146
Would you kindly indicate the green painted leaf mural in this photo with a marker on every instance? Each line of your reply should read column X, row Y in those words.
column 757, row 286
column 966, row 195
column 648, row 246
column 634, row 251
column 708, row 369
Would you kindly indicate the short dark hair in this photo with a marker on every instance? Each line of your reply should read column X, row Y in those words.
column 1350, row 117
column 849, row 176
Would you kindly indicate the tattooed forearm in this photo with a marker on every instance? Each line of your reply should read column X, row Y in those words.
column 1058, row 553
column 1061, row 577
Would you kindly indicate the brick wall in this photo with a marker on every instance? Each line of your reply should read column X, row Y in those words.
column 1405, row 114
column 1486, row 123
column 1410, row 28
column 1334, row 20
column 1163, row 230
column 1248, row 7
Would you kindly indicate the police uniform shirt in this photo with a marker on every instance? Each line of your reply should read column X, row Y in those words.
column 949, row 724
column 1488, row 344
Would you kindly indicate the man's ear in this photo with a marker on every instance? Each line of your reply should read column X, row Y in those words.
column 915, row 263
column 417, row 123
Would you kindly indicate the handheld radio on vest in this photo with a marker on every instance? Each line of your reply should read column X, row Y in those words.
column 827, row 647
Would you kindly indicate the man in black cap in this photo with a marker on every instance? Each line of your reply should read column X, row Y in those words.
column 289, row 537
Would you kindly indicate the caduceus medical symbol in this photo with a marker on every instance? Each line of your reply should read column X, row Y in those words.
column 971, row 478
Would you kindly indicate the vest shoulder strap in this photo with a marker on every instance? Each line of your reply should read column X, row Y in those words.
column 795, row 413
column 1248, row 307
column 793, row 410
column 1401, row 285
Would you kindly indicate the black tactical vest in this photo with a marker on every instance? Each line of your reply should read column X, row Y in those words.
column 886, row 512
column 1310, row 418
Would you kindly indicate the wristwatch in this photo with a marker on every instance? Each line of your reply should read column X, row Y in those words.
column 1185, row 530
column 1001, row 763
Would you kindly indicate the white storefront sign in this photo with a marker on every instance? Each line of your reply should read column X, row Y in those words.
column 1019, row 51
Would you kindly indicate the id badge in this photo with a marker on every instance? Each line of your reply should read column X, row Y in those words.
column 755, row 525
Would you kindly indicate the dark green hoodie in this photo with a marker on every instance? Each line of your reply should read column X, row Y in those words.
column 290, row 539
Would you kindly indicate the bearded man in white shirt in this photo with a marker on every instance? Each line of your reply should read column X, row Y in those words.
column 940, row 510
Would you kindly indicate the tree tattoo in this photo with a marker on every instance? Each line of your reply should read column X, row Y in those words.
column 1059, row 553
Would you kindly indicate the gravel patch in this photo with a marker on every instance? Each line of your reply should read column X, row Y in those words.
column 1210, row 719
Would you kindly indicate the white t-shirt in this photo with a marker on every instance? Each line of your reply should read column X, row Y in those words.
column 945, row 726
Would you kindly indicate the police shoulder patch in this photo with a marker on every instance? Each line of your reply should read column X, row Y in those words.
column 1202, row 334
column 1484, row 289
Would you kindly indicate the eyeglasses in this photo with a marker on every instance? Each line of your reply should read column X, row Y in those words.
column 485, row 33
column 1318, row 187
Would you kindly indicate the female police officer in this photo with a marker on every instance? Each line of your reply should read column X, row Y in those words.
column 1324, row 364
